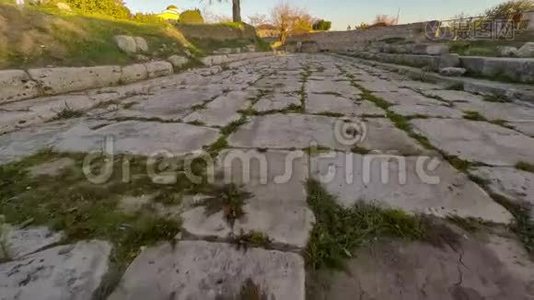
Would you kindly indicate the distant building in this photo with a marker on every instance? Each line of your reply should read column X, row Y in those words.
column 266, row 31
column 171, row 13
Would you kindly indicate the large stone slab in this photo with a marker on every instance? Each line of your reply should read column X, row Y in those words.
column 500, row 111
column 281, row 84
column 329, row 86
column 514, row 184
column 284, row 131
column 136, row 137
column 431, row 110
column 133, row 73
column 158, row 68
column 16, row 85
column 406, row 97
column 64, row 272
column 516, row 69
column 55, row 81
column 203, row 270
column 477, row 141
column 495, row 269
column 413, row 184
column 168, row 104
column 418, row 85
column 221, row 111
column 527, row 128
column 22, row 114
column 328, row 103
column 454, row 96
column 377, row 85
column 28, row 141
column 277, row 206
column 20, row 242
column 275, row 102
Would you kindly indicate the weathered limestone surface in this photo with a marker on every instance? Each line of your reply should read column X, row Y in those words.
column 328, row 103
column 26, row 142
column 20, row 242
column 516, row 185
column 16, row 85
column 169, row 104
column 64, row 272
column 473, row 269
column 436, row 111
column 454, row 96
column 136, row 137
column 284, row 131
column 221, row 111
column 277, row 207
column 477, row 141
column 133, row 73
column 275, row 102
column 22, row 114
column 406, row 96
column 500, row 111
column 53, row 168
column 158, row 69
column 517, row 69
column 186, row 112
column 526, row 128
column 55, row 81
column 203, row 270
column 329, row 86
column 414, row 184
column 178, row 61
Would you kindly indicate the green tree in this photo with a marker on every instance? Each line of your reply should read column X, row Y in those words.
column 191, row 17
column 510, row 10
column 322, row 25
column 112, row 8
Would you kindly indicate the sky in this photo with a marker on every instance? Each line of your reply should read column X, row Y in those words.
column 341, row 12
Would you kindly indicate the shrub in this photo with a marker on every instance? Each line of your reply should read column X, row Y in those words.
column 384, row 20
column 191, row 17
column 322, row 25
column 112, row 8
column 510, row 10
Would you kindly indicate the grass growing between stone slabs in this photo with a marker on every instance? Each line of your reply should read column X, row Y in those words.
column 523, row 225
column 67, row 113
column 250, row 239
column 222, row 142
column 305, row 75
column 524, row 166
column 229, row 199
column 339, row 231
column 473, row 116
column 403, row 123
column 496, row 98
column 83, row 210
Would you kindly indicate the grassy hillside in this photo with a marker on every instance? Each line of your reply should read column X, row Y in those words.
column 39, row 36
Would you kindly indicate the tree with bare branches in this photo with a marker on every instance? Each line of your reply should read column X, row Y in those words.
column 290, row 20
column 385, row 20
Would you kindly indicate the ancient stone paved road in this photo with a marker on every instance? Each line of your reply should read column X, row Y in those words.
column 291, row 103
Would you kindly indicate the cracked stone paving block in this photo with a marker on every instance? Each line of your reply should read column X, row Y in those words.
column 477, row 141
column 204, row 270
column 414, row 184
column 136, row 137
